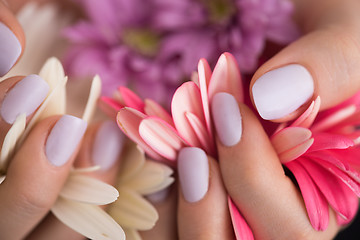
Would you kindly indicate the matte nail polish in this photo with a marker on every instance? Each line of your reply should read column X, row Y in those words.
column 25, row 97
column 107, row 145
column 10, row 49
column 282, row 91
column 227, row 118
column 193, row 170
column 64, row 138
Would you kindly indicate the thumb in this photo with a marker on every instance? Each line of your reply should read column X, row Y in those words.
column 322, row 63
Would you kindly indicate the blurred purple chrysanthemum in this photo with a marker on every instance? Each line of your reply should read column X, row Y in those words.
column 153, row 45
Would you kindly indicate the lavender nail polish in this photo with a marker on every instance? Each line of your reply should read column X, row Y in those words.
column 64, row 138
column 108, row 145
column 193, row 170
column 25, row 97
column 281, row 91
column 227, row 118
column 10, row 49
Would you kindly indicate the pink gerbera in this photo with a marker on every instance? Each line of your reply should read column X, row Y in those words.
column 161, row 136
column 322, row 154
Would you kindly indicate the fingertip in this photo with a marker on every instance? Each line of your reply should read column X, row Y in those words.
column 12, row 39
column 102, row 147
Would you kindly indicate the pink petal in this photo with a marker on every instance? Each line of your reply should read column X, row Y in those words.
column 295, row 152
column 289, row 138
column 315, row 202
column 324, row 141
column 109, row 106
column 353, row 202
column 330, row 186
column 131, row 99
column 344, row 177
column 161, row 137
column 328, row 156
column 187, row 99
column 152, row 108
column 334, row 119
column 241, row 228
column 206, row 141
column 129, row 121
column 308, row 117
column 226, row 78
column 204, row 72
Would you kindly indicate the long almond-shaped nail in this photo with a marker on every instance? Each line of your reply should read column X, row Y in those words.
column 281, row 91
column 10, row 49
column 108, row 145
column 227, row 118
column 193, row 170
column 25, row 97
column 64, row 138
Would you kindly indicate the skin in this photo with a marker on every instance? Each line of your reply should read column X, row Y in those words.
column 329, row 49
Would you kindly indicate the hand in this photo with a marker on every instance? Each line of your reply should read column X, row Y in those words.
column 321, row 63
column 40, row 166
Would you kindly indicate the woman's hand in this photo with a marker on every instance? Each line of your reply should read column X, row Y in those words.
column 41, row 165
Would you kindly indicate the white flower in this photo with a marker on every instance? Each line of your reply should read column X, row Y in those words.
column 138, row 177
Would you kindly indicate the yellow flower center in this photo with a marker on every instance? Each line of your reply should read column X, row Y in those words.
column 142, row 41
column 220, row 10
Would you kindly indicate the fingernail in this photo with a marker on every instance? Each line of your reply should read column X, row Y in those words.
column 227, row 118
column 281, row 91
column 25, row 97
column 64, row 138
column 108, row 145
column 193, row 170
column 159, row 196
column 10, row 49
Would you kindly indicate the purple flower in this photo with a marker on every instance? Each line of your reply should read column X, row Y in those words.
column 153, row 45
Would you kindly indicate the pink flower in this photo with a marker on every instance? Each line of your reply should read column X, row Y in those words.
column 323, row 156
column 161, row 136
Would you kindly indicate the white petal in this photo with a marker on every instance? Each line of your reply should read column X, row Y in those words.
column 53, row 73
column 88, row 220
column 149, row 177
column 164, row 184
column 131, row 210
column 94, row 95
column 85, row 170
column 11, row 140
column 88, row 190
column 132, row 234
column 132, row 162
column 2, row 178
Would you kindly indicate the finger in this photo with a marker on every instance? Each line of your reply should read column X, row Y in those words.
column 202, row 207
column 102, row 146
column 165, row 203
column 37, row 173
column 254, row 177
column 321, row 63
column 20, row 95
column 12, row 39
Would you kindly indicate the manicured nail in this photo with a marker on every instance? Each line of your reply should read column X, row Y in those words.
column 281, row 91
column 193, row 170
column 64, row 138
column 227, row 118
column 10, row 49
column 159, row 196
column 108, row 145
column 25, row 97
